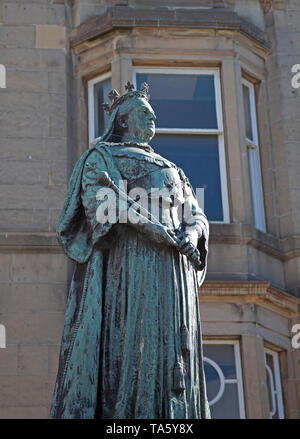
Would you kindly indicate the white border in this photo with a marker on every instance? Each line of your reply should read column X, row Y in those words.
column 219, row 131
column 91, row 112
column 277, row 391
column 254, row 165
column 238, row 367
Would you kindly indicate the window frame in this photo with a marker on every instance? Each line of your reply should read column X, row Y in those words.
column 198, row 131
column 276, row 393
column 91, row 103
column 256, row 182
column 239, row 377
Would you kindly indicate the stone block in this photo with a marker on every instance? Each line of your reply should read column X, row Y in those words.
column 266, row 267
column 8, row 360
column 20, row 13
column 254, row 376
column 53, row 356
column 58, row 126
column 44, row 2
column 278, row 152
column 39, row 268
column 17, row 36
column 286, row 225
column 20, row 101
column 41, row 197
column 24, row 220
column 57, row 82
column 53, row 219
column 251, row 11
column 281, row 175
column 19, row 327
column 50, row 37
column 82, row 13
column 30, row 327
column 22, row 391
column 33, row 297
column 270, row 320
column 5, row 263
column 268, row 181
column 54, row 104
column 218, row 260
column 287, row 22
column 49, row 326
column 49, row 388
column 33, row 360
column 29, row 124
column 33, row 59
column 39, row 412
column 225, row 312
column 33, row 148
column 33, row 172
column 29, row 81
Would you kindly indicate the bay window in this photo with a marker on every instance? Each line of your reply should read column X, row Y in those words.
column 189, row 129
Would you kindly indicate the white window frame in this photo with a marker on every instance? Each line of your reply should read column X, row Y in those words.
column 238, row 380
column 91, row 103
column 219, row 131
column 276, row 391
column 254, row 164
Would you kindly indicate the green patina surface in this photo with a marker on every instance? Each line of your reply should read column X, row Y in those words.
column 131, row 345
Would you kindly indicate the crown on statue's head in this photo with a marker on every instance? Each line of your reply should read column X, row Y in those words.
column 117, row 99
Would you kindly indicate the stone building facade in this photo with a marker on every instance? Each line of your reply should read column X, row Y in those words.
column 56, row 58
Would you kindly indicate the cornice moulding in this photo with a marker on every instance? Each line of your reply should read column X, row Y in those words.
column 256, row 292
column 127, row 18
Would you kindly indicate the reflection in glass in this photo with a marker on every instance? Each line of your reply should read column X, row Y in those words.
column 182, row 101
column 247, row 112
column 223, row 355
column 221, row 380
column 198, row 156
column 101, row 90
column 213, row 381
column 228, row 406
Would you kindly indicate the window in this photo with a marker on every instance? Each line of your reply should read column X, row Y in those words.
column 274, row 384
column 253, row 155
column 222, row 366
column 98, row 90
column 189, row 129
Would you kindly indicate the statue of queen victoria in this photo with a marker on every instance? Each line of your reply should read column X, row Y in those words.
column 131, row 344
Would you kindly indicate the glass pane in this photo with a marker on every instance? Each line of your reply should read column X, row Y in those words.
column 247, row 112
column 198, row 156
column 223, row 355
column 181, row 101
column 212, row 379
column 271, row 384
column 228, row 406
column 101, row 91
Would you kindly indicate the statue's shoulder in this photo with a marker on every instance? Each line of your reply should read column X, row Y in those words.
column 97, row 154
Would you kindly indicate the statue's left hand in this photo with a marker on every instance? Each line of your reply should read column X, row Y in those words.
column 186, row 247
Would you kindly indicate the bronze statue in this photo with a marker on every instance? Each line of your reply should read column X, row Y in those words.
column 131, row 345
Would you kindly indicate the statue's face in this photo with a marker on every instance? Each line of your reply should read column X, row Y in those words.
column 139, row 123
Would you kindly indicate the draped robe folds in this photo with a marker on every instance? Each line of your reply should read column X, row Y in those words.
column 129, row 302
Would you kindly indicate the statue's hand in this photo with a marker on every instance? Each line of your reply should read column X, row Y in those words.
column 193, row 236
column 186, row 247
